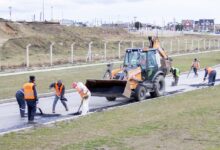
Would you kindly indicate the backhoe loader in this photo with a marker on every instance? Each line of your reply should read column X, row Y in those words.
column 142, row 72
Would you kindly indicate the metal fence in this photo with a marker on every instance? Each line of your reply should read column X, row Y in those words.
column 101, row 51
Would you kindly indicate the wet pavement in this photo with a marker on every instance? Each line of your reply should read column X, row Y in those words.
column 11, row 121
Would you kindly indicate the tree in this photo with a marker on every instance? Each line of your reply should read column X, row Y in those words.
column 138, row 25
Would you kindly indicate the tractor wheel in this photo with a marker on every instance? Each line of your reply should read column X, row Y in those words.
column 158, row 87
column 140, row 93
column 111, row 98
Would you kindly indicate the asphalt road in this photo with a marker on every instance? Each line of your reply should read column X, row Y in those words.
column 11, row 121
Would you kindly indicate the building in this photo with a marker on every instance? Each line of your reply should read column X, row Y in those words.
column 188, row 25
column 206, row 25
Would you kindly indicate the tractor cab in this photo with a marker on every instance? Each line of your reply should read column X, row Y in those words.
column 145, row 59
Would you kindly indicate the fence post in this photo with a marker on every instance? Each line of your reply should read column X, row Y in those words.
column 119, row 49
column 171, row 45
column 89, row 55
column 132, row 44
column 186, row 45
column 178, row 46
column 218, row 44
column 72, row 50
column 27, row 55
column 105, row 50
column 198, row 45
column 51, row 53
column 209, row 44
column 192, row 45
column 143, row 44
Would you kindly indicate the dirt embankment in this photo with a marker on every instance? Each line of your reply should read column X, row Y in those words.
column 15, row 37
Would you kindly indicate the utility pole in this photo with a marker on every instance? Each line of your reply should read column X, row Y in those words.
column 51, row 13
column 43, row 11
column 10, row 8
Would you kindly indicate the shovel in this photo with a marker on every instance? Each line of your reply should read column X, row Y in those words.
column 78, row 112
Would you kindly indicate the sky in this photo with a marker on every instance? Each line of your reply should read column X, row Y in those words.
column 158, row 12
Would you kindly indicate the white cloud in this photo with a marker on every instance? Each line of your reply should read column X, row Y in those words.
column 153, row 11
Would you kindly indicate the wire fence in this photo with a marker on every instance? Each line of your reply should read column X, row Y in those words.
column 102, row 51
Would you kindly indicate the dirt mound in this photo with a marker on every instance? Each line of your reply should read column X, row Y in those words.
column 6, row 28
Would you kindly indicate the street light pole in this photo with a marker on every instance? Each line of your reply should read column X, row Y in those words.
column 10, row 8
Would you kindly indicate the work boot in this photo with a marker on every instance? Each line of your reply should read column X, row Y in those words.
column 31, row 122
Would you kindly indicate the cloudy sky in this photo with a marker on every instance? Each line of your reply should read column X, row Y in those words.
column 150, row 11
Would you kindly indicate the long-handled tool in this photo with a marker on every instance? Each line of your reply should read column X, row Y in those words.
column 40, row 110
column 189, row 72
column 78, row 112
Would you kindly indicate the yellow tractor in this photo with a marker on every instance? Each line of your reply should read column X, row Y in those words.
column 143, row 71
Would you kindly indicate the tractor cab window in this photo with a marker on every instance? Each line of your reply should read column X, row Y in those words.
column 135, row 59
column 152, row 62
column 132, row 58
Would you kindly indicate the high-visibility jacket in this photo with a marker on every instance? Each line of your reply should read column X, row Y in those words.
column 177, row 71
column 81, row 93
column 195, row 64
column 58, row 89
column 28, row 91
column 209, row 70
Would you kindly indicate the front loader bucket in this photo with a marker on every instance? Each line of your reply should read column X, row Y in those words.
column 109, row 88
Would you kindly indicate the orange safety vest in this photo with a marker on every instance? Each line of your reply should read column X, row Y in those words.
column 28, row 91
column 209, row 69
column 196, row 64
column 58, row 91
column 81, row 93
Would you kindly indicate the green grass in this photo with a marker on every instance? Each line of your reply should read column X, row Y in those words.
column 185, row 121
column 9, row 85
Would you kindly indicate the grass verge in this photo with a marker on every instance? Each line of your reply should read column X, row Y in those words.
column 185, row 121
column 9, row 85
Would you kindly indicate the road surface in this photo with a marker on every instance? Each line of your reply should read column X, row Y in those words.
column 11, row 121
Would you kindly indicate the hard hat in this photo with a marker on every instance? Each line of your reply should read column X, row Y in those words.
column 74, row 84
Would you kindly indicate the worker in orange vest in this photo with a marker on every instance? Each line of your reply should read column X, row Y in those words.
column 85, row 95
column 59, row 91
column 30, row 95
column 212, row 75
column 195, row 66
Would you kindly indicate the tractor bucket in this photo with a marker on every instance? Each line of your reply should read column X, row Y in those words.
column 109, row 88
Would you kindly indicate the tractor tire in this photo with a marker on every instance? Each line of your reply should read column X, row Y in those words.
column 140, row 93
column 158, row 87
column 111, row 98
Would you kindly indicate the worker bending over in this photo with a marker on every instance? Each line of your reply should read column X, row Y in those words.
column 59, row 91
column 212, row 75
column 84, row 94
column 30, row 96
column 176, row 74
column 195, row 66
column 21, row 102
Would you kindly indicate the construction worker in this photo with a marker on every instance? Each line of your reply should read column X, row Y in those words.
column 60, row 91
column 176, row 74
column 30, row 96
column 85, row 95
column 212, row 75
column 195, row 66
column 21, row 102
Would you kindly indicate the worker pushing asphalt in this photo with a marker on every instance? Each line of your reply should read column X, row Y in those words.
column 59, row 94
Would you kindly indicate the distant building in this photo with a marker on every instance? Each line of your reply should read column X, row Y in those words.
column 206, row 25
column 188, row 25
